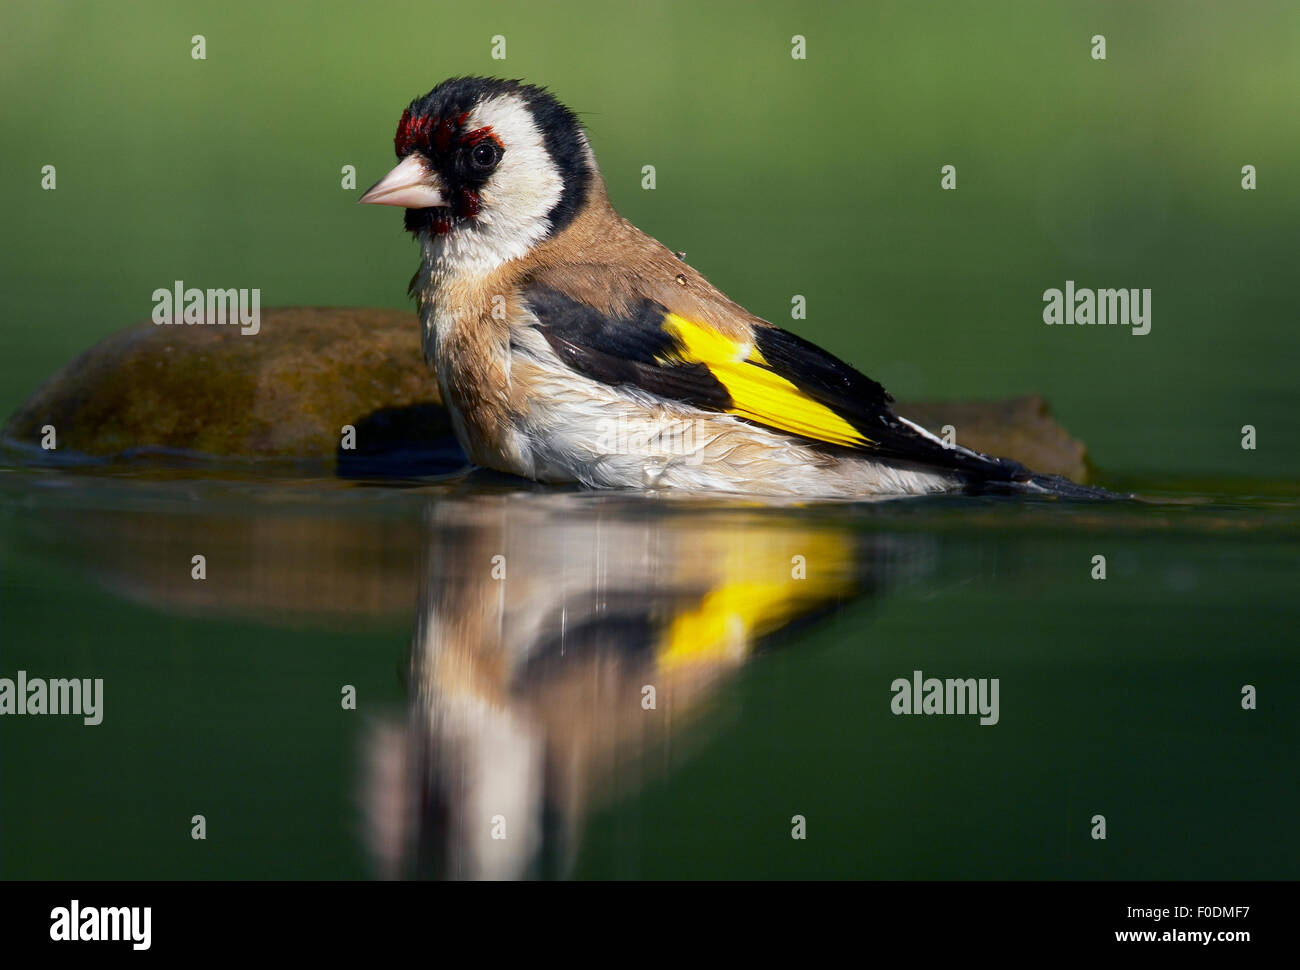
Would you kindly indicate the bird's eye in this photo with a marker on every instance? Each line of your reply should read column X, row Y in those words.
column 484, row 156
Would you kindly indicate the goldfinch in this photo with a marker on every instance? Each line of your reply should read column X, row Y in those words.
column 571, row 347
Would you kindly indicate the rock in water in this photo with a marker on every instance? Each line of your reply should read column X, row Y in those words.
column 287, row 393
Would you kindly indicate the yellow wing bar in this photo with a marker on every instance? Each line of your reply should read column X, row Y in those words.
column 758, row 393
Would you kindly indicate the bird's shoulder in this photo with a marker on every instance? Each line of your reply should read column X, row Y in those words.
column 612, row 266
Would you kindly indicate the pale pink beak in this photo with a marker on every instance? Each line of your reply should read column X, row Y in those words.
column 410, row 185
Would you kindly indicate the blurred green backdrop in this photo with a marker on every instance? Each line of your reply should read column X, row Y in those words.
column 777, row 176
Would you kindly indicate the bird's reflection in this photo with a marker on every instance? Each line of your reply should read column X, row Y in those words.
column 560, row 639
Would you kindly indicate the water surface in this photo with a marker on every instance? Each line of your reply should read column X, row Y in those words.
column 501, row 639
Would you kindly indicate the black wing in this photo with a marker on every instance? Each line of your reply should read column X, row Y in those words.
column 777, row 380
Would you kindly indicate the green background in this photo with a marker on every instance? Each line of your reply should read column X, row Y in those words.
column 777, row 177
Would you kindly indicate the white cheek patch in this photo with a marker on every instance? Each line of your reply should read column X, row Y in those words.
column 516, row 199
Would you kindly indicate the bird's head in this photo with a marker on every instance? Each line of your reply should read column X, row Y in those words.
column 497, row 165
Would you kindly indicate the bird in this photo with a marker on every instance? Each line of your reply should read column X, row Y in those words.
column 570, row 347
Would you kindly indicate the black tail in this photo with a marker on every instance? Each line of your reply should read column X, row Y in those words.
column 1033, row 483
column 984, row 474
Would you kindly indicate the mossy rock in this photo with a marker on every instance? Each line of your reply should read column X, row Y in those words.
column 287, row 392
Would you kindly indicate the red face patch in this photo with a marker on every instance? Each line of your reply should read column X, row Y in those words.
column 441, row 222
column 481, row 134
column 468, row 204
column 437, row 135
column 411, row 132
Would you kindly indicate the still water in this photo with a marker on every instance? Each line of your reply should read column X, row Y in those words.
column 560, row 684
